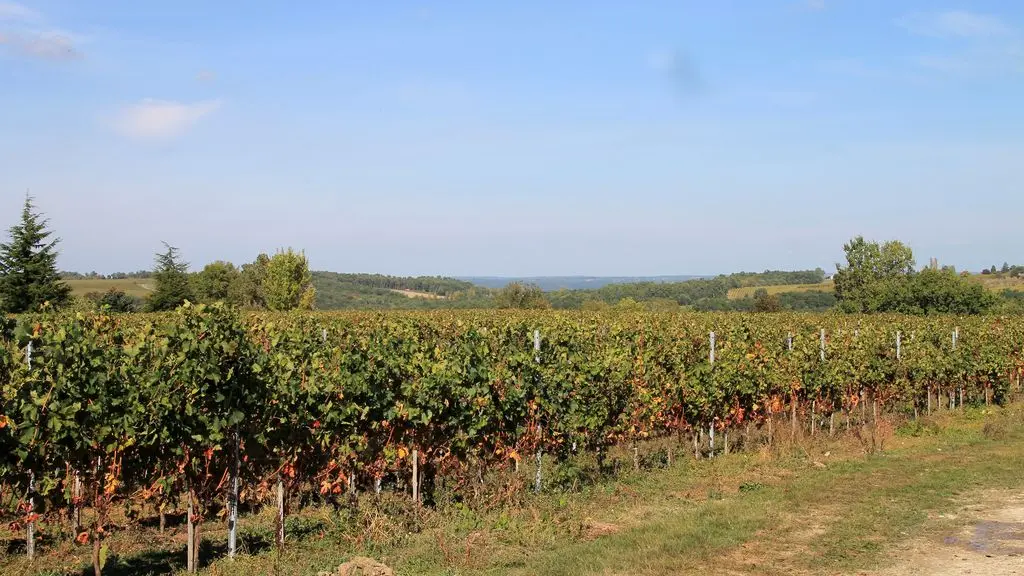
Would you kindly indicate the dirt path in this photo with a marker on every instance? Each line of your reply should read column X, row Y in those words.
column 987, row 538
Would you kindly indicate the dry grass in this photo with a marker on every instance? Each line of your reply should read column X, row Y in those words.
column 140, row 287
column 416, row 294
column 748, row 291
column 999, row 284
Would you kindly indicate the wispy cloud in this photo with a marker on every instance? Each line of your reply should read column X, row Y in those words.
column 974, row 44
column 161, row 119
column 954, row 24
column 815, row 4
column 26, row 32
column 206, row 76
column 15, row 11
column 679, row 68
column 49, row 44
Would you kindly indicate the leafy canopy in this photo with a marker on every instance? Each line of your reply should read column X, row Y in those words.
column 219, row 282
column 521, row 296
column 288, row 285
column 881, row 278
column 114, row 301
column 765, row 302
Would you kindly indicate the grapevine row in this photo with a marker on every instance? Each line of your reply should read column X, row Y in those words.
column 145, row 407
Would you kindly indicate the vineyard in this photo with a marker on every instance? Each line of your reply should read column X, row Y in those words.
column 215, row 407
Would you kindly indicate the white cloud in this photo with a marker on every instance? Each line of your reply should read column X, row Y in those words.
column 25, row 31
column 15, row 11
column 816, row 4
column 955, row 24
column 161, row 119
column 986, row 45
column 49, row 44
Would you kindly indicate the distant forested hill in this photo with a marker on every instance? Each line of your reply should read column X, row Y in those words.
column 551, row 283
column 336, row 291
column 702, row 293
column 436, row 285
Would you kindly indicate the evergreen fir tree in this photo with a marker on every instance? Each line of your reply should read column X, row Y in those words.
column 173, row 287
column 28, row 266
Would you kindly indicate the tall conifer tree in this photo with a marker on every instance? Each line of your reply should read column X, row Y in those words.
column 173, row 287
column 28, row 266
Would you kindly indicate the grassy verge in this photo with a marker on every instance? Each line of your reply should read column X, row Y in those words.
column 818, row 506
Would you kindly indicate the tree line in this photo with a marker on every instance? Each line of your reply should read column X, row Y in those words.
column 877, row 277
column 437, row 285
column 30, row 281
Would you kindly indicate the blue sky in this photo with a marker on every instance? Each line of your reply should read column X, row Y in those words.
column 516, row 138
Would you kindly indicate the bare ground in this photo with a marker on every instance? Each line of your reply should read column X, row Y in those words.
column 986, row 538
column 416, row 294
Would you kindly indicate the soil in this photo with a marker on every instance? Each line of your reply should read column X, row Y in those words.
column 988, row 539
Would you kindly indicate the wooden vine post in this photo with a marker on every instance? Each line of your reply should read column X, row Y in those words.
column 956, row 338
column 233, row 503
column 814, row 401
column 279, row 532
column 711, row 426
column 30, row 526
column 76, row 511
column 190, row 545
column 415, row 476
column 537, row 480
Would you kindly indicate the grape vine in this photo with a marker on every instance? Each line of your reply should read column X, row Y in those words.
column 145, row 408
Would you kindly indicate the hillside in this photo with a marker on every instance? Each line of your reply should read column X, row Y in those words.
column 335, row 291
column 700, row 293
column 552, row 283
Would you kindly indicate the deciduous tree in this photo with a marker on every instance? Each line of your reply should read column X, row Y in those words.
column 288, row 284
column 250, row 283
column 765, row 302
column 519, row 295
column 872, row 270
column 219, row 282
column 114, row 301
column 881, row 278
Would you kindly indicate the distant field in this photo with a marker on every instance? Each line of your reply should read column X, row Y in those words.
column 994, row 284
column 417, row 294
column 998, row 284
column 738, row 293
column 141, row 287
